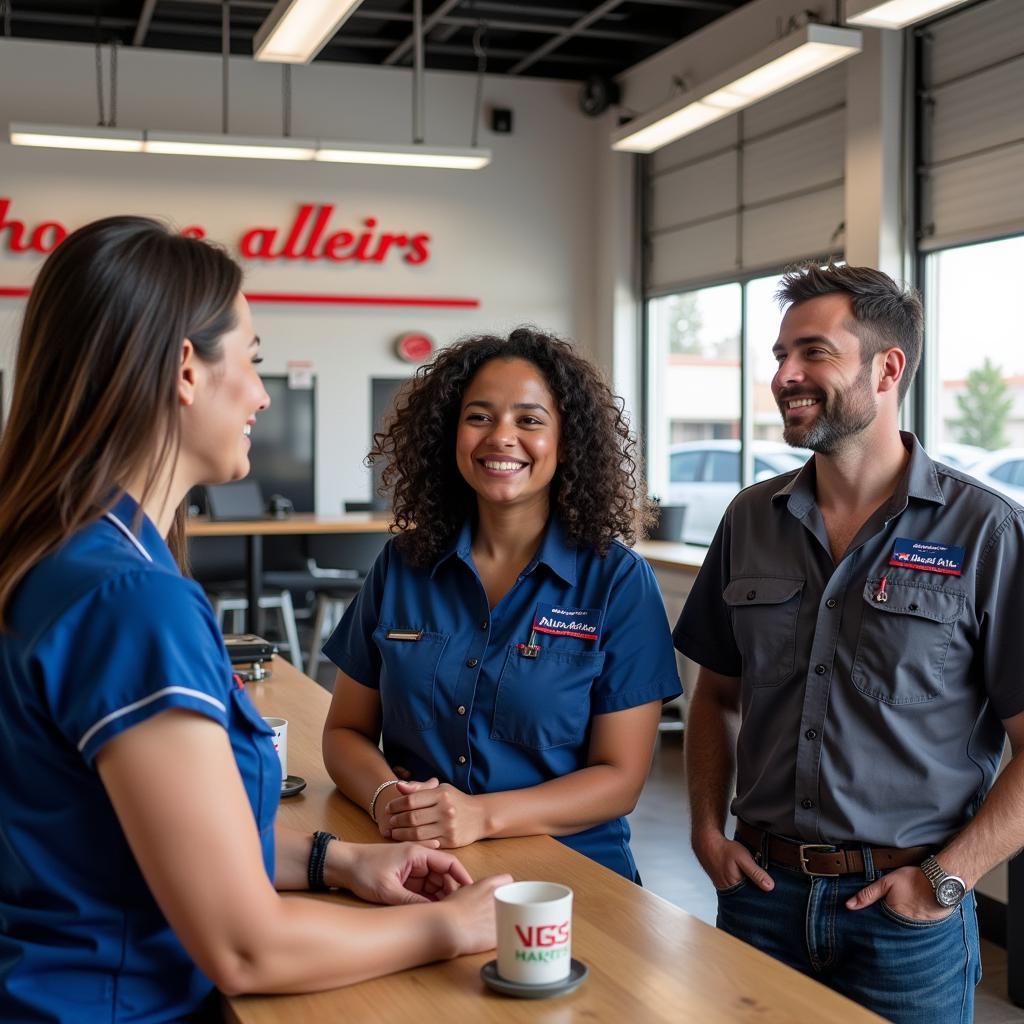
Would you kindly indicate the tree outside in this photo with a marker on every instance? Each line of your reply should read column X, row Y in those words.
column 984, row 408
column 688, row 335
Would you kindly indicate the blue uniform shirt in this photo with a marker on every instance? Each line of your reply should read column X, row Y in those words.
column 103, row 634
column 463, row 703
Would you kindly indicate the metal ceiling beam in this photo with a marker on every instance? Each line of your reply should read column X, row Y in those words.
column 714, row 6
column 542, row 29
column 145, row 17
column 72, row 20
column 406, row 45
column 552, row 44
column 571, row 13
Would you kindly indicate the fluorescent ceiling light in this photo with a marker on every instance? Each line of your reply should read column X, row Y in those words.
column 789, row 60
column 295, row 31
column 894, row 13
column 255, row 148
column 248, row 147
column 61, row 137
column 403, row 156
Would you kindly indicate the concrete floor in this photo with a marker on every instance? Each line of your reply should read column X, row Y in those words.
column 661, row 846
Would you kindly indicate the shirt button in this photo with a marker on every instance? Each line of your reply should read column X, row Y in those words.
column 484, row 624
column 472, row 663
column 831, row 603
column 751, row 594
column 461, row 709
column 806, row 804
column 820, row 669
column 811, row 734
column 461, row 759
column 912, row 607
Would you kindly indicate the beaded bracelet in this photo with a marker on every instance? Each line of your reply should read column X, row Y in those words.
column 377, row 792
column 317, row 860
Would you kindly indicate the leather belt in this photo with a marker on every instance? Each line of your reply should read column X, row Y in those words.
column 822, row 859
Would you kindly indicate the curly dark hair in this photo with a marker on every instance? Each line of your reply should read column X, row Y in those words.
column 595, row 491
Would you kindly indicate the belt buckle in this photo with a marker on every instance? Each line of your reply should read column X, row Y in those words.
column 817, row 848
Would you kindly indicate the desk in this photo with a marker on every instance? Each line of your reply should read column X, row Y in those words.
column 254, row 530
column 649, row 961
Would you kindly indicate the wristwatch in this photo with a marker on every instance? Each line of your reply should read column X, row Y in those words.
column 949, row 889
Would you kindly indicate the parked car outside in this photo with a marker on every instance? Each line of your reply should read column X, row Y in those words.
column 705, row 476
column 960, row 456
column 1003, row 471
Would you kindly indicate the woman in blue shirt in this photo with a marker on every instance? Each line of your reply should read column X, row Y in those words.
column 138, row 851
column 511, row 650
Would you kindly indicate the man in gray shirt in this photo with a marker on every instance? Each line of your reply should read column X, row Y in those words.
column 859, row 625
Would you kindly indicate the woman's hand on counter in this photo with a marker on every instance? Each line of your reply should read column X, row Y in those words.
column 394, row 874
column 425, row 811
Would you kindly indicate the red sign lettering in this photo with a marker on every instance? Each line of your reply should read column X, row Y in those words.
column 543, row 934
column 307, row 238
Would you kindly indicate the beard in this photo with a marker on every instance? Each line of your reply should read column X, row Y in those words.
column 841, row 415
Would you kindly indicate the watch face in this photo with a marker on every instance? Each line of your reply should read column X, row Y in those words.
column 950, row 892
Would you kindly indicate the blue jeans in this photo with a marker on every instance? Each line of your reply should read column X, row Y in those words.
column 910, row 972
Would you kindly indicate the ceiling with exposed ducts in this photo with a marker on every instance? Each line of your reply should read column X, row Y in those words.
column 569, row 39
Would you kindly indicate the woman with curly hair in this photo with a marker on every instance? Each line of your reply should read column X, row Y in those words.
column 513, row 652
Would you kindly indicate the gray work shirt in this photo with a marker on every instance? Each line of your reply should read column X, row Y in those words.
column 864, row 720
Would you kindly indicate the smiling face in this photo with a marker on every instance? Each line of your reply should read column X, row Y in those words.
column 225, row 398
column 823, row 386
column 506, row 447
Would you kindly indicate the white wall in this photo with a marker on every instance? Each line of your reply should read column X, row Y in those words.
column 520, row 235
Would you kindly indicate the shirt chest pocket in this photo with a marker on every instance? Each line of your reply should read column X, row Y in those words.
column 408, row 677
column 901, row 649
column 764, row 619
column 545, row 701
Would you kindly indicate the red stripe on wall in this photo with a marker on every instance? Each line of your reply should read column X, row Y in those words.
column 327, row 300
column 364, row 300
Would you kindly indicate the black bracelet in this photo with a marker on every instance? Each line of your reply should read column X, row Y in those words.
column 317, row 860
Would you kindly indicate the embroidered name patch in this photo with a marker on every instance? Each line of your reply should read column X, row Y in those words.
column 928, row 556
column 582, row 623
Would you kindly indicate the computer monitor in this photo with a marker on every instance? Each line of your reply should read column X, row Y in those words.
column 283, row 452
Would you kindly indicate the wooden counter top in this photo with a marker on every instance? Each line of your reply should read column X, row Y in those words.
column 649, row 961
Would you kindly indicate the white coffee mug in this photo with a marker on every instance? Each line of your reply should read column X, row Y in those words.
column 280, row 727
column 534, row 932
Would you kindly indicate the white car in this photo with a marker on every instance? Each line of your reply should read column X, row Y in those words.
column 960, row 456
column 705, row 476
column 1002, row 470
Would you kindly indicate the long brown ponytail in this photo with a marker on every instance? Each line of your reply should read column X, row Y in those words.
column 94, row 398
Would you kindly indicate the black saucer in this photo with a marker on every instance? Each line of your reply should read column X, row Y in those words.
column 292, row 785
column 577, row 974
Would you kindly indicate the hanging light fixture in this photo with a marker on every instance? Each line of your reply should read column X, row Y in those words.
column 107, row 137
column 799, row 55
column 114, row 140
column 295, row 31
column 895, row 13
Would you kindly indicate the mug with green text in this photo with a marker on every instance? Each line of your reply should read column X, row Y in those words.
column 534, row 932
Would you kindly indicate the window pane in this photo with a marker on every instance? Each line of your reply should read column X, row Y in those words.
column 693, row 397
column 684, row 467
column 723, row 468
column 1006, row 472
column 977, row 393
column 763, row 318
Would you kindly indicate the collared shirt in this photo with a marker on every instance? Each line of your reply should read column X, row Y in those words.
column 865, row 719
column 103, row 634
column 460, row 697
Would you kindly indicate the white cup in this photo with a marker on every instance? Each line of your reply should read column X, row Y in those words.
column 534, row 932
column 280, row 727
